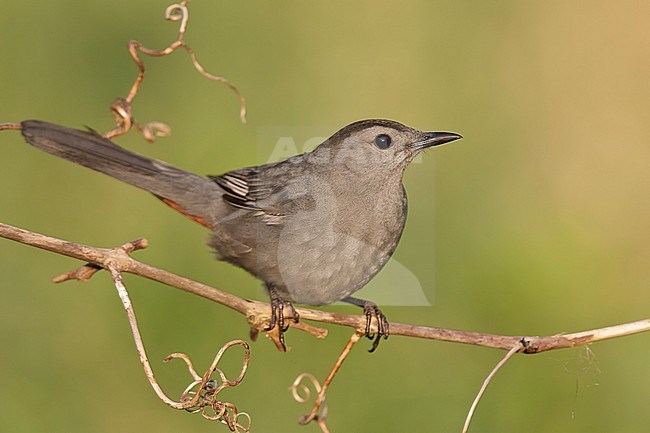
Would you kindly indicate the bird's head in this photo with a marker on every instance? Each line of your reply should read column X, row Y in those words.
column 377, row 145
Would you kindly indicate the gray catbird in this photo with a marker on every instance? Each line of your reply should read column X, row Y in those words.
column 315, row 227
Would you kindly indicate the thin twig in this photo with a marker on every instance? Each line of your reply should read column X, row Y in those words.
column 487, row 381
column 83, row 273
column 10, row 126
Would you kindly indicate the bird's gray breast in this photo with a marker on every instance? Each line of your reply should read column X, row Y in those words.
column 333, row 248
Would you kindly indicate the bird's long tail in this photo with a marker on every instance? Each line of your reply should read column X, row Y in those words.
column 195, row 196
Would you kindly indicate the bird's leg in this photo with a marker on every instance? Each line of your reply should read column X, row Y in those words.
column 277, row 313
column 371, row 309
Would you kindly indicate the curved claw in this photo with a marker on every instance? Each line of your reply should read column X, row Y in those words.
column 277, row 314
column 371, row 309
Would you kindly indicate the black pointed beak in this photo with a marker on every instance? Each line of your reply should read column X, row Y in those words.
column 435, row 139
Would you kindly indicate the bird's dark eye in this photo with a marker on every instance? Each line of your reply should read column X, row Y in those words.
column 382, row 141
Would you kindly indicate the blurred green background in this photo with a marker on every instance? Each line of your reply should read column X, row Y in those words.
column 536, row 223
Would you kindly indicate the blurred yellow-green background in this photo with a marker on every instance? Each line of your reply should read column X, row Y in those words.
column 536, row 223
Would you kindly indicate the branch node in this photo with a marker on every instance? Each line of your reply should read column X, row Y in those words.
column 528, row 346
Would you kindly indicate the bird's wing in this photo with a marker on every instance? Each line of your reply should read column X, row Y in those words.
column 266, row 193
column 241, row 187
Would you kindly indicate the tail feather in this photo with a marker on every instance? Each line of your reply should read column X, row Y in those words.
column 191, row 194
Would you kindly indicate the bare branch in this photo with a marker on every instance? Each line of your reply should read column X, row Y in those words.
column 201, row 395
column 258, row 313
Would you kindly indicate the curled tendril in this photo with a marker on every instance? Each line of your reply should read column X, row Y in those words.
column 200, row 396
column 152, row 130
column 178, row 12
column 319, row 410
column 299, row 386
column 121, row 108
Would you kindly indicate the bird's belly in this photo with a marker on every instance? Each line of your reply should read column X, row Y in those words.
column 325, row 266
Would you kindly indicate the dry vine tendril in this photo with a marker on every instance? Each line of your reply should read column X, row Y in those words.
column 319, row 414
column 200, row 396
column 121, row 107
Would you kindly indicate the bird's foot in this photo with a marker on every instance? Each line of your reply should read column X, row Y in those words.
column 277, row 314
column 371, row 309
